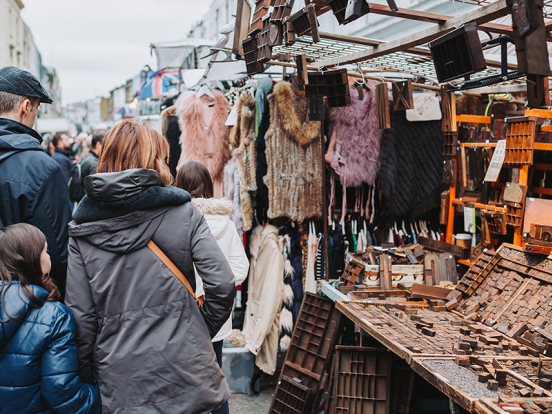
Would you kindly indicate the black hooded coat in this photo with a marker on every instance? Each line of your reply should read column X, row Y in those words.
column 33, row 190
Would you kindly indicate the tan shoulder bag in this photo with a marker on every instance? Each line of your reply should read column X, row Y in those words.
column 163, row 257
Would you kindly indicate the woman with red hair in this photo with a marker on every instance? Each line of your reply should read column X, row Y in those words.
column 142, row 336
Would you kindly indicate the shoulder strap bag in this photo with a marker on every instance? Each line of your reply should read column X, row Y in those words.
column 172, row 267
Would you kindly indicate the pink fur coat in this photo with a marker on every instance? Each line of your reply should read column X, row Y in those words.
column 190, row 111
column 355, row 150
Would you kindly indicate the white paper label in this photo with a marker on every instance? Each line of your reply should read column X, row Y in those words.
column 496, row 162
column 469, row 219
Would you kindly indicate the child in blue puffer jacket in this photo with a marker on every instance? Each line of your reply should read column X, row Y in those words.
column 38, row 350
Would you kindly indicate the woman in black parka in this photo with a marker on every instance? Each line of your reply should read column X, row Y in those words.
column 142, row 336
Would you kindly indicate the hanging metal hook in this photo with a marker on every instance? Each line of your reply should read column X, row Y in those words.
column 362, row 74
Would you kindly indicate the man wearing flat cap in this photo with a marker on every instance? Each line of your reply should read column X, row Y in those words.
column 32, row 185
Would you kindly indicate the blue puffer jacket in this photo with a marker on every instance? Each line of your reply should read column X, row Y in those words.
column 38, row 359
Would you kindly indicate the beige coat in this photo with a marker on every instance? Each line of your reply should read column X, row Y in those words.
column 266, row 290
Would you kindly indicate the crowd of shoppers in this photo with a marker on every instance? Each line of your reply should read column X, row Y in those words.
column 129, row 266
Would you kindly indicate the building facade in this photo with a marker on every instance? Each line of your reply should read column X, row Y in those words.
column 17, row 46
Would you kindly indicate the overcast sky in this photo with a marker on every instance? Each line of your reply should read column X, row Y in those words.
column 96, row 45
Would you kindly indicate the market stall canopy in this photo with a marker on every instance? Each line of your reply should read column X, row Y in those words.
column 172, row 54
column 159, row 83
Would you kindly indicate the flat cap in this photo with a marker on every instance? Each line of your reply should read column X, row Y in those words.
column 20, row 82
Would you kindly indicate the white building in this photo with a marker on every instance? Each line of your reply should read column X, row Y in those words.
column 50, row 81
column 220, row 13
column 17, row 46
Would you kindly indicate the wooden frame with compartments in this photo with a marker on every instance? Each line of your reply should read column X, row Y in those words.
column 458, row 54
column 362, row 380
column 337, row 88
column 305, row 22
column 316, row 85
column 251, row 56
column 312, row 347
column 450, row 144
column 261, row 9
column 520, row 140
column 265, row 50
column 282, row 9
column 338, row 8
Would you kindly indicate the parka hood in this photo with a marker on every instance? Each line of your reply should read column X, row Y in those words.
column 123, row 210
column 111, row 195
column 18, row 137
column 120, row 185
column 218, row 213
column 17, row 306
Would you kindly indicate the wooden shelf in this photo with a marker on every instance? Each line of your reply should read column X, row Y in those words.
column 541, row 113
column 539, row 146
column 480, row 206
column 473, row 119
column 465, row 262
column 477, row 144
column 543, row 146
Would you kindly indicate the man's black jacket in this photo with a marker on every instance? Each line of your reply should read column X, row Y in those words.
column 33, row 190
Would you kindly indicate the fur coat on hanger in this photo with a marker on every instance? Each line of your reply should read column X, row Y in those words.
column 242, row 139
column 357, row 143
column 232, row 192
column 193, row 140
column 294, row 157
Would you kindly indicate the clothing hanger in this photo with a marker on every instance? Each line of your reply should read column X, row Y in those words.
column 414, row 238
column 204, row 90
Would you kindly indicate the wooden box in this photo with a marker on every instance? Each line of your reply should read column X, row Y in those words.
column 282, row 9
column 520, row 140
column 337, row 88
column 458, row 54
column 250, row 54
column 355, row 10
column 338, row 9
column 305, row 22
column 316, row 85
column 261, row 9
column 265, row 50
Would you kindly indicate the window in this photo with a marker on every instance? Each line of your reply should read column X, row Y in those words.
column 10, row 23
column 217, row 15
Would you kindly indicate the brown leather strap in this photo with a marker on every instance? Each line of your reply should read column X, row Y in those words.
column 163, row 257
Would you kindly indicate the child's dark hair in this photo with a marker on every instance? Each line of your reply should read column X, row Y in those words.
column 194, row 177
column 20, row 248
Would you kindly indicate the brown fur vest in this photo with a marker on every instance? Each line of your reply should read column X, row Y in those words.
column 242, row 139
column 294, row 156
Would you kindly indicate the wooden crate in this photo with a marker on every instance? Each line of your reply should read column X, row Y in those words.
column 362, row 380
column 311, row 350
column 282, row 9
column 291, row 397
column 261, row 10
column 520, row 140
